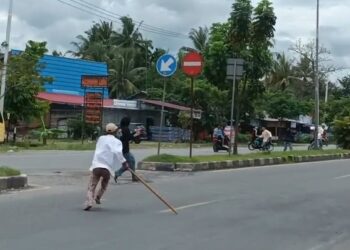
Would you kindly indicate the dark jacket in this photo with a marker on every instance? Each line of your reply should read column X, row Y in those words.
column 126, row 135
column 289, row 137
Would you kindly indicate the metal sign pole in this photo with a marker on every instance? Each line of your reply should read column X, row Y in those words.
column 192, row 104
column 83, row 118
column 317, row 88
column 161, row 116
column 232, row 103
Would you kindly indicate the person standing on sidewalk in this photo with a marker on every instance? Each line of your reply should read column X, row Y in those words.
column 288, row 139
column 126, row 137
column 108, row 154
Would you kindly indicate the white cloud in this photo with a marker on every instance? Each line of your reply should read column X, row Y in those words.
column 59, row 24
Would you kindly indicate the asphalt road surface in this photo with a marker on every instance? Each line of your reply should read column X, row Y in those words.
column 61, row 161
column 291, row 207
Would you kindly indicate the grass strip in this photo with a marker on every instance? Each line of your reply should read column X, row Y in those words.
column 251, row 156
column 7, row 171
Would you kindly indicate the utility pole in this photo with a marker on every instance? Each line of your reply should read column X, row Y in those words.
column 317, row 89
column 6, row 54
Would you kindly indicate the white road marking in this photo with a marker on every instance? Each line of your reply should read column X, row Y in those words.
column 196, row 205
column 342, row 177
column 330, row 244
column 33, row 187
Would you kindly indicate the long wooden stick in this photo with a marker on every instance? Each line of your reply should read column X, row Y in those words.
column 153, row 191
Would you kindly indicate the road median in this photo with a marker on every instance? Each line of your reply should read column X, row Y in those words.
column 12, row 179
column 216, row 162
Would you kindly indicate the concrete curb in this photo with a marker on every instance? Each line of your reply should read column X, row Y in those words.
column 13, row 182
column 228, row 164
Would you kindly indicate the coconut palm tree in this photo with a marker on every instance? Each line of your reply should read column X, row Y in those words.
column 129, row 37
column 282, row 73
column 199, row 38
column 96, row 42
column 123, row 75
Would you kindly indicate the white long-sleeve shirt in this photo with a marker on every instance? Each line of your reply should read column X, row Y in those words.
column 266, row 135
column 108, row 154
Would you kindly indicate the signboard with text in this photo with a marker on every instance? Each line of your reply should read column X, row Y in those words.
column 94, row 81
column 93, row 103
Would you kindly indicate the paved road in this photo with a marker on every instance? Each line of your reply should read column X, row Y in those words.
column 62, row 161
column 289, row 207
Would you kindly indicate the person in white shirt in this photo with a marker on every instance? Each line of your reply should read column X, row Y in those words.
column 108, row 153
column 266, row 136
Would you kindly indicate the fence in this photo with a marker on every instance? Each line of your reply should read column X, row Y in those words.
column 170, row 134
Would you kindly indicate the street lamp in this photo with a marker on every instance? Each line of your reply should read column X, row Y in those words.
column 317, row 89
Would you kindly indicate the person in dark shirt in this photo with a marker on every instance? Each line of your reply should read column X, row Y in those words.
column 125, row 138
column 288, row 139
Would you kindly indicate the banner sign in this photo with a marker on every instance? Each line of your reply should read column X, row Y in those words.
column 93, row 103
column 94, row 81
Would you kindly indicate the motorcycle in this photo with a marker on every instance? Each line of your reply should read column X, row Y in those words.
column 258, row 144
column 219, row 145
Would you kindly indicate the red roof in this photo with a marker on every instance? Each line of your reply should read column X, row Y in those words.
column 68, row 99
column 79, row 100
column 168, row 105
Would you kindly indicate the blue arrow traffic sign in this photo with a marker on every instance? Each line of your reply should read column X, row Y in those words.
column 166, row 65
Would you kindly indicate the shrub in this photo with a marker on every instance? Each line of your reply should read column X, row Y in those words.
column 75, row 128
column 303, row 138
column 342, row 132
column 243, row 138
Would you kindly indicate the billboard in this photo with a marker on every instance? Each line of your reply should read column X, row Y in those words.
column 94, row 81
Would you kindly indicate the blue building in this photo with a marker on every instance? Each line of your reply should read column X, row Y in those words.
column 66, row 73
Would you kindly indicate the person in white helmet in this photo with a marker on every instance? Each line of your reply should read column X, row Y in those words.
column 108, row 153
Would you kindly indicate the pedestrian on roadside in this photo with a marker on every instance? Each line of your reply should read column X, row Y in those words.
column 108, row 154
column 125, row 137
column 288, row 139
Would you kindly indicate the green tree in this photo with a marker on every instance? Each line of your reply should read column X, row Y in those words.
column 24, row 83
column 344, row 87
column 199, row 38
column 251, row 34
column 336, row 109
column 282, row 73
column 96, row 42
column 123, row 74
column 125, row 52
column 216, row 53
column 342, row 132
column 282, row 105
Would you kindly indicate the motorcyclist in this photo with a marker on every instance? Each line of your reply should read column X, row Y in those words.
column 219, row 134
column 266, row 136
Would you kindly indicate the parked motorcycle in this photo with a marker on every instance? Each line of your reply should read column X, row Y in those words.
column 258, row 144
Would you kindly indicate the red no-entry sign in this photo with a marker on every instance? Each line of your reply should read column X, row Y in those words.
column 192, row 64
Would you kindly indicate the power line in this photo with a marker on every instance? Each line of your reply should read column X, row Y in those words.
column 144, row 26
column 135, row 20
column 104, row 14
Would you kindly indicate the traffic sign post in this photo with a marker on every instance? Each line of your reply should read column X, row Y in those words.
column 166, row 66
column 234, row 71
column 192, row 66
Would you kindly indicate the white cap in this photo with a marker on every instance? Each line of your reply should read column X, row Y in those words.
column 111, row 127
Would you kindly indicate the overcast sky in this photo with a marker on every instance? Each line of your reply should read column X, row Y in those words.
column 59, row 24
